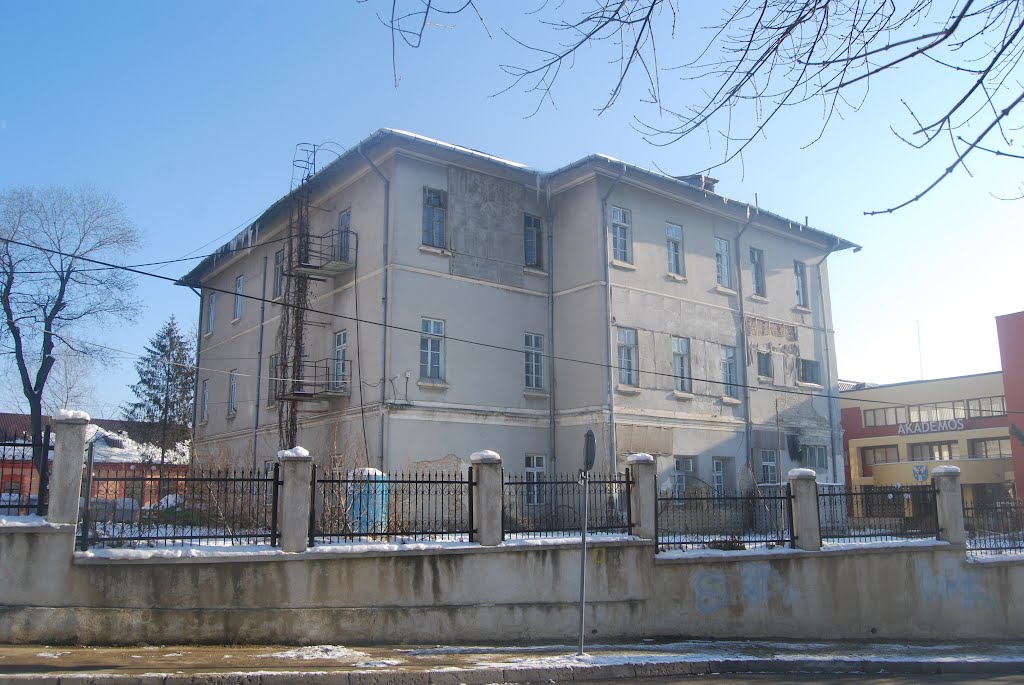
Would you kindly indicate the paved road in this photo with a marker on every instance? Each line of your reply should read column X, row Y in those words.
column 831, row 679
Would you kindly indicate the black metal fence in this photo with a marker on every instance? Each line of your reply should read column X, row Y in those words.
column 995, row 528
column 700, row 518
column 140, row 505
column 367, row 504
column 23, row 484
column 875, row 514
column 552, row 506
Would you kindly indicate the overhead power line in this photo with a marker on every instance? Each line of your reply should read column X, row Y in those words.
column 466, row 341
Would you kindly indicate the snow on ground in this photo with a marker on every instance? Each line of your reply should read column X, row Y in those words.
column 339, row 653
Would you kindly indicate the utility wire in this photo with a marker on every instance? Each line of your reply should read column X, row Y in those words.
column 466, row 341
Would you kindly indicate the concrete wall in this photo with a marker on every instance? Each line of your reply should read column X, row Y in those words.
column 499, row 594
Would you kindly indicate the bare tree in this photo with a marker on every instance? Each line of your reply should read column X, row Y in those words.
column 70, row 385
column 49, row 296
column 763, row 56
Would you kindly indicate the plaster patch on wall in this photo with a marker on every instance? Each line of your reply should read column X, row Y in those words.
column 953, row 585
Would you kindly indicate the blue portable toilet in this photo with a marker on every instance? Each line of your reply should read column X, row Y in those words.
column 368, row 499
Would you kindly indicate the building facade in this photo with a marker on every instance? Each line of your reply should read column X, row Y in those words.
column 457, row 301
column 896, row 434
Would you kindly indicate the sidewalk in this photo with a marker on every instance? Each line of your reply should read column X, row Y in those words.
column 476, row 665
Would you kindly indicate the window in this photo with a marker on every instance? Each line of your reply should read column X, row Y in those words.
column 274, row 382
column 764, row 364
column 536, row 468
column 344, row 236
column 934, row 451
column 729, row 371
column 809, row 371
column 684, row 470
column 674, row 243
column 233, row 392
column 986, row 406
column 628, row 372
column 757, row 272
column 681, row 363
column 211, row 303
column 433, row 217
column 815, row 456
column 937, row 411
column 723, row 268
column 534, row 361
column 239, row 285
column 718, row 477
column 993, row 447
column 340, row 380
column 800, row 273
column 883, row 454
column 622, row 235
column 204, row 407
column 278, row 289
column 885, row 416
column 532, row 241
column 769, row 467
column 432, row 349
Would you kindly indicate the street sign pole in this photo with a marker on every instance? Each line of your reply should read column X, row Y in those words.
column 589, row 454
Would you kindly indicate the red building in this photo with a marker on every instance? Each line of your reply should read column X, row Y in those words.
column 1010, row 329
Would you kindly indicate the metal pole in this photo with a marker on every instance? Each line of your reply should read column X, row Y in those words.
column 585, row 480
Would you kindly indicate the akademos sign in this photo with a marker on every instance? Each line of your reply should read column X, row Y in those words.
column 930, row 426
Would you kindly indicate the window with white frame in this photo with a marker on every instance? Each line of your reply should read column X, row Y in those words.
column 718, row 477
column 723, row 265
column 809, row 371
column 233, row 392
column 815, row 456
column 534, row 345
column 344, row 236
column 274, row 381
column 674, row 245
column 536, row 469
column 681, row 364
column 204, row 405
column 769, row 467
column 432, row 349
column 622, row 235
column 729, row 371
column 211, row 304
column 533, row 234
column 434, row 205
column 764, row 364
column 239, row 286
column 278, row 288
column 683, row 472
column 757, row 272
column 629, row 373
column 800, row 274
column 340, row 380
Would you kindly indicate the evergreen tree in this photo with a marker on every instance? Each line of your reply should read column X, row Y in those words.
column 166, row 387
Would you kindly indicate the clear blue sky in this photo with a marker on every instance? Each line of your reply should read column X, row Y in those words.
column 189, row 112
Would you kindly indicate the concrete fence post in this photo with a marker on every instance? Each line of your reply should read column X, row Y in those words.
column 293, row 506
column 949, row 501
column 643, row 495
column 487, row 499
column 806, row 524
column 68, row 459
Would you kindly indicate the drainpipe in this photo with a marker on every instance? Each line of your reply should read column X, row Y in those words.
column 828, row 362
column 259, row 361
column 195, row 385
column 747, row 429
column 551, row 323
column 383, row 300
column 610, row 379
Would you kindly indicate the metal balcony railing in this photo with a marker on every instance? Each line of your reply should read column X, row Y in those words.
column 328, row 254
column 317, row 379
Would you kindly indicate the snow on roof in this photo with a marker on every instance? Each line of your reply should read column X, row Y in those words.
column 459, row 148
column 118, row 448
